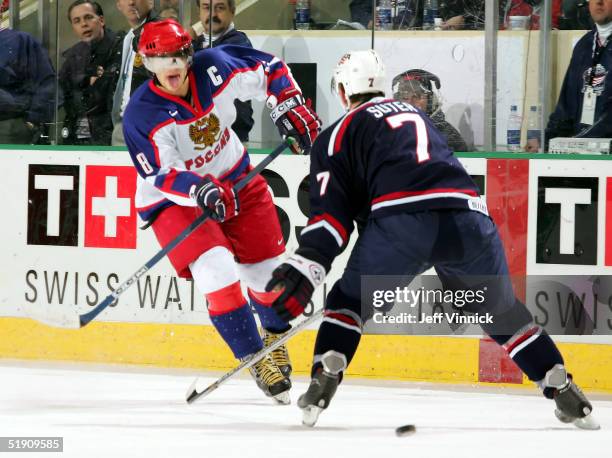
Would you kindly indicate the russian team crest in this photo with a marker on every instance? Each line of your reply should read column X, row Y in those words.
column 205, row 131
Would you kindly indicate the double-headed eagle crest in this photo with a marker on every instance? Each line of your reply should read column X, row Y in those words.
column 205, row 131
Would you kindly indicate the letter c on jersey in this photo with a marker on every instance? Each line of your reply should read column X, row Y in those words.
column 213, row 72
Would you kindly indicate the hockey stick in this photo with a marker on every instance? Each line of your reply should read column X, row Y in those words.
column 72, row 319
column 197, row 390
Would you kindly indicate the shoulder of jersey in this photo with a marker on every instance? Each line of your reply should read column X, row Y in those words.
column 350, row 121
column 209, row 56
column 352, row 118
column 147, row 108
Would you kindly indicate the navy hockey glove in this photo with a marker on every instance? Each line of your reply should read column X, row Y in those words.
column 216, row 198
column 299, row 276
column 294, row 118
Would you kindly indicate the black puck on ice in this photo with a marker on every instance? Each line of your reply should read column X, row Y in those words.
column 405, row 430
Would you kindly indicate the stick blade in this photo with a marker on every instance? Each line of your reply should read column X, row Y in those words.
column 192, row 392
column 55, row 317
column 200, row 388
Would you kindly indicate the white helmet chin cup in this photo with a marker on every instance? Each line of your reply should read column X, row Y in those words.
column 359, row 72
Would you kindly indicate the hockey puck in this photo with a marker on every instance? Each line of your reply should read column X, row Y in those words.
column 405, row 430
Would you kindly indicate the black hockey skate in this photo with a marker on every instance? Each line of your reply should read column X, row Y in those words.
column 280, row 356
column 322, row 387
column 271, row 381
column 572, row 404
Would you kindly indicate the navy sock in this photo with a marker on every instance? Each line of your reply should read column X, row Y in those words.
column 533, row 351
column 268, row 317
column 239, row 330
column 340, row 332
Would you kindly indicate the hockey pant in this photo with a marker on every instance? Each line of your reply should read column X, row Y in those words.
column 465, row 249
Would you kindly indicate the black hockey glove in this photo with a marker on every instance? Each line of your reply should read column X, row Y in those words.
column 215, row 197
column 294, row 118
column 299, row 276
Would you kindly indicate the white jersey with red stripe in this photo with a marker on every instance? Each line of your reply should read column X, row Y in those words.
column 173, row 143
column 384, row 157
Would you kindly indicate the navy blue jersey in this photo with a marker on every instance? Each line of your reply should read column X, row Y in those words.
column 384, row 157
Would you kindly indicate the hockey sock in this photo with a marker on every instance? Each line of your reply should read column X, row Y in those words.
column 533, row 351
column 270, row 321
column 339, row 331
column 530, row 346
column 234, row 321
column 239, row 330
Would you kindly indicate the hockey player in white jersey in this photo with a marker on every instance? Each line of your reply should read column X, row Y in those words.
column 178, row 131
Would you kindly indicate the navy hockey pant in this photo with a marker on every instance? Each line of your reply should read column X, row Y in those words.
column 462, row 246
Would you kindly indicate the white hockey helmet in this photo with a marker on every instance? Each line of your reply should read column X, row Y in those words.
column 359, row 72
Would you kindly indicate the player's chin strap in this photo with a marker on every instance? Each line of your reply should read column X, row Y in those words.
column 65, row 317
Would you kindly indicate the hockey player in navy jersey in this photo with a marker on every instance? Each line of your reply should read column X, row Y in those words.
column 178, row 131
column 385, row 159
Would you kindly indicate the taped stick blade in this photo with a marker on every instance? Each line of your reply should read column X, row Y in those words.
column 54, row 316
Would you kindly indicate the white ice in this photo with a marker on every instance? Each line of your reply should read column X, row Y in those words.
column 117, row 412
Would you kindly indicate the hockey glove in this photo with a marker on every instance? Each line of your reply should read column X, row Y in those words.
column 294, row 118
column 299, row 276
column 216, row 198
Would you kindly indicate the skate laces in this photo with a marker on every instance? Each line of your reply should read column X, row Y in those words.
column 267, row 372
column 280, row 356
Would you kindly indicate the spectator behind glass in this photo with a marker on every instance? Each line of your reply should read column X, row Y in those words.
column 89, row 75
column 169, row 9
column 27, row 89
column 585, row 102
column 532, row 9
column 575, row 15
column 467, row 14
column 361, row 11
column 132, row 72
column 224, row 33
column 420, row 88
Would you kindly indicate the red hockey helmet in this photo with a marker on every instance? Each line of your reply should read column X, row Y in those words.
column 163, row 38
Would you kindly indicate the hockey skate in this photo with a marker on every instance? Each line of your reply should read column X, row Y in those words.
column 572, row 404
column 271, row 381
column 322, row 387
column 280, row 356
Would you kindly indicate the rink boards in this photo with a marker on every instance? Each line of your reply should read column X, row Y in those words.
column 71, row 233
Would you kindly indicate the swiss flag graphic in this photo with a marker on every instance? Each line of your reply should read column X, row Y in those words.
column 110, row 216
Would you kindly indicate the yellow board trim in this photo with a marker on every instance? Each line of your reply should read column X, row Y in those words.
column 418, row 358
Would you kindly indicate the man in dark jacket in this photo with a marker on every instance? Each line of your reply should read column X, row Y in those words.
column 88, row 75
column 27, row 89
column 224, row 33
column 584, row 108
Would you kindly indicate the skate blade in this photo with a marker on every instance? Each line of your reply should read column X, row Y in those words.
column 310, row 415
column 282, row 398
column 587, row 422
column 562, row 417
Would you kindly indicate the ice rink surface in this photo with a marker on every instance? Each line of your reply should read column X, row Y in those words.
column 107, row 412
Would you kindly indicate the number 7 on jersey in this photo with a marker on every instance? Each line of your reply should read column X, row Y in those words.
column 398, row 120
column 323, row 178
